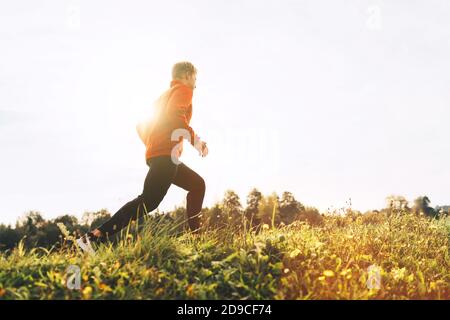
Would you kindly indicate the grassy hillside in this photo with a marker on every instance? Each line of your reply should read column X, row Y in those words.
column 297, row 261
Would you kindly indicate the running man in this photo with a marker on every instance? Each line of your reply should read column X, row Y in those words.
column 163, row 138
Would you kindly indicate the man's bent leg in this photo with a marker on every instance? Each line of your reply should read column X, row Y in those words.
column 158, row 180
column 189, row 180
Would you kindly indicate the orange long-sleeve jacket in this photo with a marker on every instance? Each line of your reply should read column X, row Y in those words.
column 173, row 110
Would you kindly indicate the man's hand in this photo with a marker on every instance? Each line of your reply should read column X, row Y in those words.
column 201, row 147
column 205, row 150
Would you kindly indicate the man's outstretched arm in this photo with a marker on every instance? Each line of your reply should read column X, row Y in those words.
column 178, row 105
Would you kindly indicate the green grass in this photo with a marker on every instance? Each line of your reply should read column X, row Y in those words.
column 298, row 261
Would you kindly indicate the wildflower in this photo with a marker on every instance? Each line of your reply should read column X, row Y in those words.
column 87, row 292
column 318, row 244
column 345, row 272
column 366, row 257
column 294, row 253
column 286, row 270
column 265, row 226
column 398, row 274
column 190, row 290
column 328, row 273
column 104, row 287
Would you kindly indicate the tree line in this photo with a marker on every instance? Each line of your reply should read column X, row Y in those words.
column 259, row 211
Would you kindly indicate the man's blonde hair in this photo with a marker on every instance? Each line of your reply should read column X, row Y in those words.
column 181, row 69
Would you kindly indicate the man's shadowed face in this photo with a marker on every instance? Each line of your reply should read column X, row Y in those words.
column 190, row 80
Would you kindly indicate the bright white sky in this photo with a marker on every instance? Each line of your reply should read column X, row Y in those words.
column 326, row 99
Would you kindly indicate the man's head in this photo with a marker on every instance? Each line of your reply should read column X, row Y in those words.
column 185, row 72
